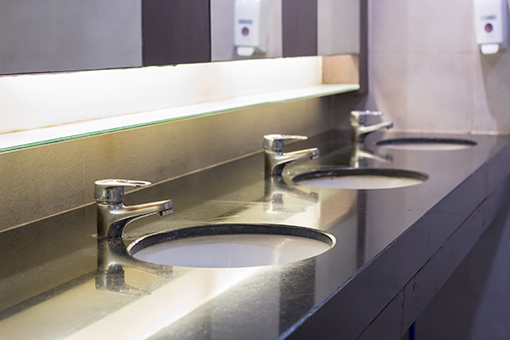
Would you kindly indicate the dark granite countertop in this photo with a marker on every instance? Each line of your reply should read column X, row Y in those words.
column 383, row 238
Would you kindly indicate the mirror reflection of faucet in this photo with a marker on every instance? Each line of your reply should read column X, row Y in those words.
column 360, row 154
column 276, row 189
column 274, row 162
column 112, row 257
column 360, row 129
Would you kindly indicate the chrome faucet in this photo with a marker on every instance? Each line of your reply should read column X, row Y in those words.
column 276, row 159
column 113, row 215
column 358, row 121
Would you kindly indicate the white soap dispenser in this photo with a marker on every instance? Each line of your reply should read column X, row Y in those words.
column 251, row 18
column 491, row 24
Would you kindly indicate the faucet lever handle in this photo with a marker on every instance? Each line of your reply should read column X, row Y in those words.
column 366, row 113
column 361, row 116
column 275, row 142
column 111, row 191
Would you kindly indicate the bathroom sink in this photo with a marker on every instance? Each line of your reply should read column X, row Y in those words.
column 426, row 144
column 354, row 178
column 232, row 245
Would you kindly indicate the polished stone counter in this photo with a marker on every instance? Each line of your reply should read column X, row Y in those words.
column 385, row 239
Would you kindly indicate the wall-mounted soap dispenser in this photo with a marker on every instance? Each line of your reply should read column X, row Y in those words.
column 491, row 24
column 251, row 20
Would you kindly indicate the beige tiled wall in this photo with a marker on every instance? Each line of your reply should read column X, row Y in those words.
column 45, row 180
column 426, row 71
column 340, row 69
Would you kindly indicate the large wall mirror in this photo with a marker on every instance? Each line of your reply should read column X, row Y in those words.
column 72, row 35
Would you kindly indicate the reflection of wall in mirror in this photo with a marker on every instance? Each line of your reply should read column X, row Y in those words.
column 66, row 35
column 222, row 31
column 338, row 27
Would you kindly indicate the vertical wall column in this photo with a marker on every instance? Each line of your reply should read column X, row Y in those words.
column 299, row 28
column 363, row 47
column 175, row 32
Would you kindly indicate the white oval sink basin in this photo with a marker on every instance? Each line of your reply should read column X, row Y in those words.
column 360, row 179
column 232, row 245
column 426, row 144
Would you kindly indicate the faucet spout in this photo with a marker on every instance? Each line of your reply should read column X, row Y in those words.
column 277, row 161
column 360, row 130
column 113, row 218
column 113, row 215
column 311, row 153
column 371, row 128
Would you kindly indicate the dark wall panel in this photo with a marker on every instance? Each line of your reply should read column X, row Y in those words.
column 363, row 48
column 175, row 32
column 299, row 23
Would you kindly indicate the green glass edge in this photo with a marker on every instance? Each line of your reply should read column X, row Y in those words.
column 351, row 88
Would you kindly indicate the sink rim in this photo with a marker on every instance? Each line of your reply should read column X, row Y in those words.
column 230, row 229
column 426, row 140
column 347, row 172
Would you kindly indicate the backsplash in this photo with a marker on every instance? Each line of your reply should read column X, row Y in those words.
column 427, row 73
column 41, row 181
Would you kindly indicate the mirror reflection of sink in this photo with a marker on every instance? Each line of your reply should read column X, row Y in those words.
column 426, row 144
column 232, row 245
column 351, row 178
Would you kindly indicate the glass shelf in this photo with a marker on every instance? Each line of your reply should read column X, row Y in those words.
column 24, row 139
